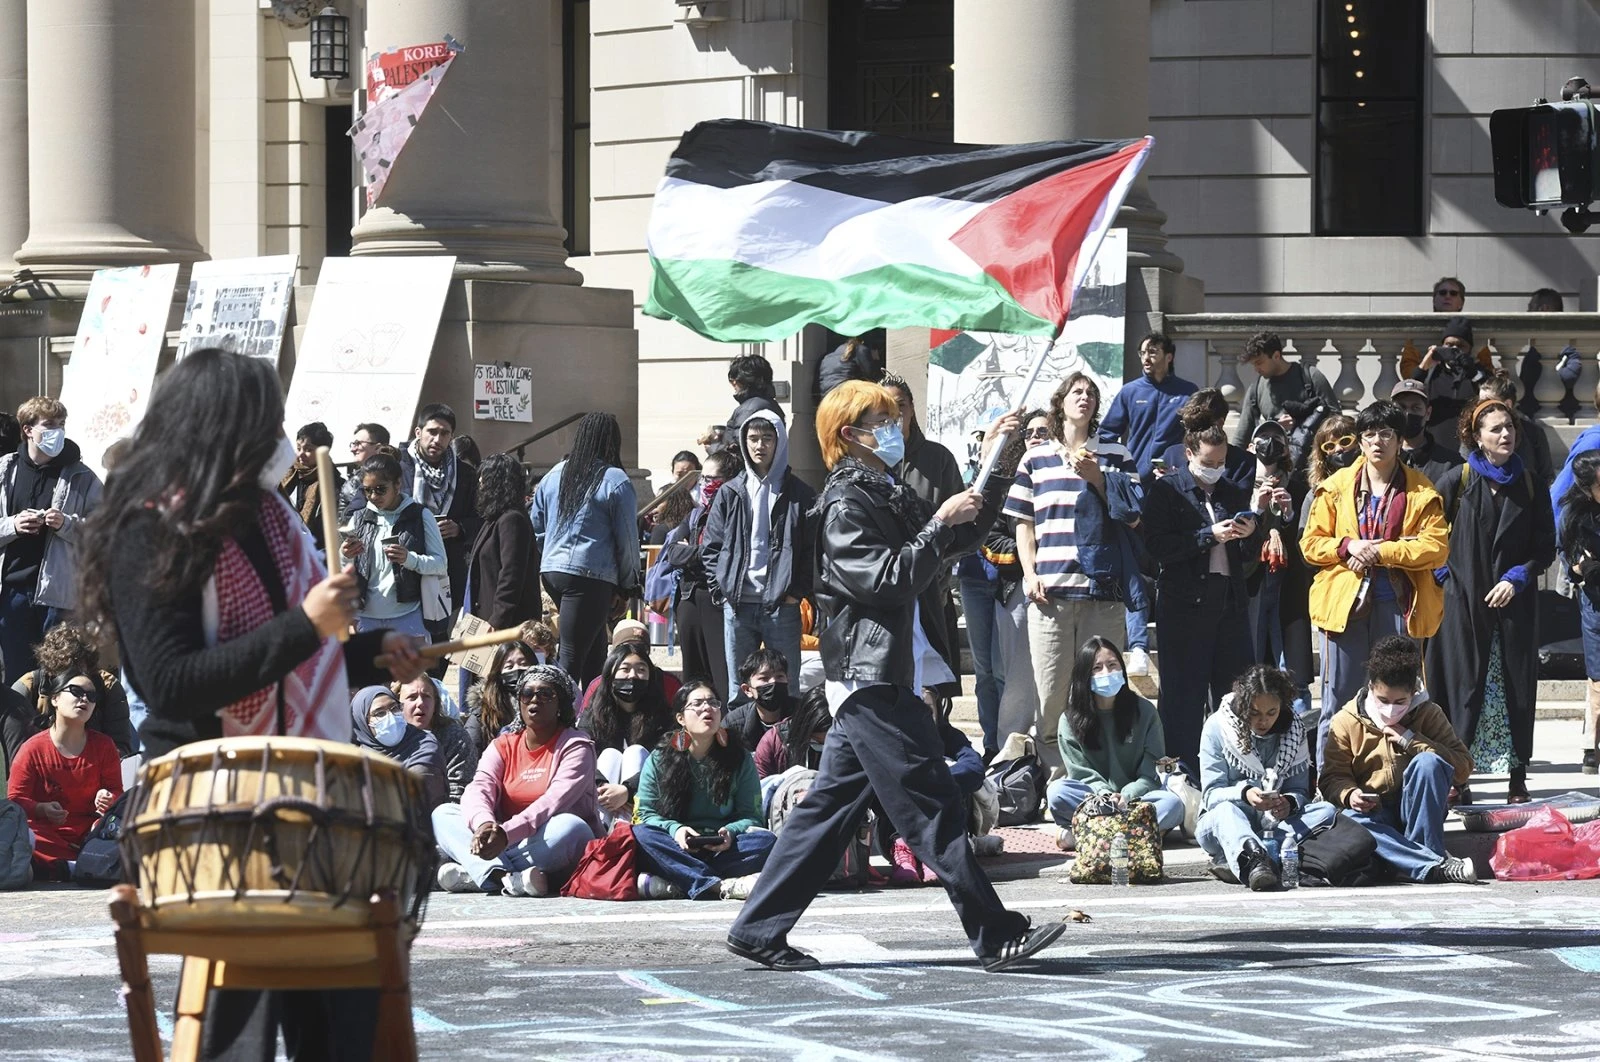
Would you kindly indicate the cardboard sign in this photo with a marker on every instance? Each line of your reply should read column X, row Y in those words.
column 502, row 391
column 476, row 661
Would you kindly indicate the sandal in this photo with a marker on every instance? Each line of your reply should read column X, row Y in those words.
column 781, row 957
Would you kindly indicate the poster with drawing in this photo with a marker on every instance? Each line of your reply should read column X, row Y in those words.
column 502, row 391
column 974, row 377
column 400, row 83
column 107, row 383
column 367, row 344
column 239, row 304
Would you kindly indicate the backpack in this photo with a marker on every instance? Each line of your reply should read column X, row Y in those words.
column 1339, row 854
column 855, row 865
column 16, row 847
column 99, row 862
column 609, row 867
column 1305, row 429
column 1021, row 783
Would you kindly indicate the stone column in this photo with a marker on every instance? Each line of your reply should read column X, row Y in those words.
column 13, row 129
column 111, row 142
column 1058, row 70
column 474, row 178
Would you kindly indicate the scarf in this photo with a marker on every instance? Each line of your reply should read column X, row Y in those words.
column 1500, row 475
column 236, row 602
column 305, row 478
column 434, row 487
column 910, row 509
column 419, row 748
column 1293, row 758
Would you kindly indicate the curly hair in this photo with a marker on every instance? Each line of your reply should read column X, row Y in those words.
column 1261, row 680
column 1396, row 661
column 1202, row 409
column 67, row 645
column 675, row 770
column 1472, row 419
column 1058, row 417
column 502, row 486
column 1005, row 465
column 1334, row 426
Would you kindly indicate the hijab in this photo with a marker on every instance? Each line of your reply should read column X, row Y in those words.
column 418, row 748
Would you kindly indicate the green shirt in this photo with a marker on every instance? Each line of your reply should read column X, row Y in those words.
column 1127, row 767
column 740, row 813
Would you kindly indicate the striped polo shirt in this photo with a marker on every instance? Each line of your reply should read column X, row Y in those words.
column 1045, row 494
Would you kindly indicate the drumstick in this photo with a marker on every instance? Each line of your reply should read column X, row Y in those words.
column 460, row 645
column 328, row 497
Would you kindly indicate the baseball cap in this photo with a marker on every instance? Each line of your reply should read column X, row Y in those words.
column 1409, row 387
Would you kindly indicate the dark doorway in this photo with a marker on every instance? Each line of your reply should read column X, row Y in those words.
column 340, row 189
column 889, row 67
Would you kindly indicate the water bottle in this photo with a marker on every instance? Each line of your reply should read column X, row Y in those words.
column 1119, row 859
column 1269, row 841
column 1291, row 863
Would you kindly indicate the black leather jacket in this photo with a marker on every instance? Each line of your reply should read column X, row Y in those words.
column 878, row 549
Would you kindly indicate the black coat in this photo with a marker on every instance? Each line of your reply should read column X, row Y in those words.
column 1489, row 534
column 1177, row 532
column 503, row 571
column 1431, row 459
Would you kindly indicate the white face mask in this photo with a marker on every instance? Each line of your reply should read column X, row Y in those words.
column 1205, row 475
column 389, row 729
column 51, row 441
column 1386, row 714
column 277, row 465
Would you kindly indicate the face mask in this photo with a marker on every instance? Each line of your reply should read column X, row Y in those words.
column 708, row 490
column 510, row 680
column 816, row 746
column 277, row 465
column 1415, row 425
column 52, row 440
column 772, row 696
column 1270, row 449
column 1343, row 459
column 1386, row 714
column 889, row 444
column 1108, row 683
column 1205, row 475
column 628, row 690
column 389, row 730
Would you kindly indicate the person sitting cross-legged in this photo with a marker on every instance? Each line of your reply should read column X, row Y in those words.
column 1390, row 760
column 699, row 812
column 1255, row 775
column 530, row 809
column 1110, row 738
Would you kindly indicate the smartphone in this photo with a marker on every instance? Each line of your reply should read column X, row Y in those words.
column 392, row 540
column 1158, row 464
column 704, row 840
column 1248, row 514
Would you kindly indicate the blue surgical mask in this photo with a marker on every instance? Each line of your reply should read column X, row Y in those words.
column 889, row 444
column 52, row 441
column 1108, row 683
column 389, row 729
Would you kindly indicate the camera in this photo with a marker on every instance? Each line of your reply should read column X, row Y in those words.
column 1457, row 361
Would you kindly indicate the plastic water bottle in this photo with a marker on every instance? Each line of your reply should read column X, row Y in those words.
column 1119, row 859
column 1291, row 863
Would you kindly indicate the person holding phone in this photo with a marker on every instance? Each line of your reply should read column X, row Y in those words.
column 396, row 545
column 1390, row 761
column 699, row 808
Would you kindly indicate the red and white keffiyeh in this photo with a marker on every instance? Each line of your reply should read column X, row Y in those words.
column 316, row 693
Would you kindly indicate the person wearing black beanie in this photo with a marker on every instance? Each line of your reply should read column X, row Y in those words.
column 1451, row 374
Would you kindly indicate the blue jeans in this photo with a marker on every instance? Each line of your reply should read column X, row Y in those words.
column 1065, row 794
column 1138, row 624
column 1344, row 659
column 554, row 848
column 978, row 604
column 1224, row 829
column 698, row 874
column 1410, row 836
column 23, row 625
column 406, row 623
column 746, row 627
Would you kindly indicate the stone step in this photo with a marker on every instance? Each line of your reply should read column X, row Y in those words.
column 966, row 706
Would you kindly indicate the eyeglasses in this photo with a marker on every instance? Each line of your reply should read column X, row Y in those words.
column 1333, row 446
column 1378, row 435
column 703, row 706
column 537, row 693
column 87, row 694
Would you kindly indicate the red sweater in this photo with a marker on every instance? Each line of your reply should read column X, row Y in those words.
column 40, row 774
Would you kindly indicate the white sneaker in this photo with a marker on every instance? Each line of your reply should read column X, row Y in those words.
column 1138, row 661
column 453, row 877
column 739, row 888
column 653, row 887
column 530, row 882
column 1065, row 840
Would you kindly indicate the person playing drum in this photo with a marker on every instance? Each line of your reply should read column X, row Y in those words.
column 227, row 622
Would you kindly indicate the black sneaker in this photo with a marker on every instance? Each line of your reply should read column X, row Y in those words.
column 1455, row 871
column 1591, row 762
column 1013, row 951
column 781, row 957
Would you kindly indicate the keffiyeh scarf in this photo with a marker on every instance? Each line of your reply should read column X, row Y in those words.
column 434, row 487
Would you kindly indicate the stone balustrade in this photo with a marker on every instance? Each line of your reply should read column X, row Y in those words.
column 1362, row 353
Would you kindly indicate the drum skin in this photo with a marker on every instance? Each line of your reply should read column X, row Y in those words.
column 261, row 833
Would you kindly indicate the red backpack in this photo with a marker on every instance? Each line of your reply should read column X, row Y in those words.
column 609, row 869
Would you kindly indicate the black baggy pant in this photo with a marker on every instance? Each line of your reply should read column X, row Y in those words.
column 1204, row 649
column 883, row 740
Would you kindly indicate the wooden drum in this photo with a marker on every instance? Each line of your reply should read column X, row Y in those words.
column 263, row 833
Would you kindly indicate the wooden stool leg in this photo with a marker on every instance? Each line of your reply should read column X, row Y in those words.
column 193, row 985
column 136, row 991
column 396, row 1039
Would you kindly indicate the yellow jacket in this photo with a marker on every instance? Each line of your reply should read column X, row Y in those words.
column 1424, row 545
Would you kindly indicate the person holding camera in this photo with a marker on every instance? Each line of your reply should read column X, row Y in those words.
column 1578, row 535
column 1451, row 374
column 1289, row 392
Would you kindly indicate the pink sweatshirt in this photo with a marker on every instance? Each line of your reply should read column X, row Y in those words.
column 571, row 789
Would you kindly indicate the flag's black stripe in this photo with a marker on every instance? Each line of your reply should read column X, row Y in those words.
column 730, row 152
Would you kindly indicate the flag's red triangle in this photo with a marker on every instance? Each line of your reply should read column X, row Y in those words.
column 1029, row 241
column 937, row 337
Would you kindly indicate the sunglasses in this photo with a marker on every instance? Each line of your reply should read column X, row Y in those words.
column 1449, row 293
column 1343, row 442
column 538, row 693
column 378, row 491
column 87, row 694
column 1036, row 433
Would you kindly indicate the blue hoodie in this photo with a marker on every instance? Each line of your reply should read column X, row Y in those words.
column 1144, row 418
column 1588, row 440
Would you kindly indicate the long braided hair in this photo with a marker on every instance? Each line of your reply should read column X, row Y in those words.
column 597, row 448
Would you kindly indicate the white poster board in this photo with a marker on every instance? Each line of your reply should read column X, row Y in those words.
column 502, row 391
column 974, row 377
column 107, row 383
column 240, row 305
column 367, row 344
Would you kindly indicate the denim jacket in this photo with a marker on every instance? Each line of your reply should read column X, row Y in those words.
column 1106, row 550
column 1223, row 778
column 601, row 541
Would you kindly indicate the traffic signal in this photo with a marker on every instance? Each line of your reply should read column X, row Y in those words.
column 1544, row 156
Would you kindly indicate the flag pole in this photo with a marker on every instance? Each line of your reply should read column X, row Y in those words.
column 990, row 461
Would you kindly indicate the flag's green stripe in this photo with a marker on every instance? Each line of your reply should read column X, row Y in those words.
column 732, row 302
column 955, row 353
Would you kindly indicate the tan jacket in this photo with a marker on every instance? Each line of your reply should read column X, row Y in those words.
column 1361, row 757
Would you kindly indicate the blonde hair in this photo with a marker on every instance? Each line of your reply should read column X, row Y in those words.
column 1335, row 425
column 40, row 408
column 842, row 407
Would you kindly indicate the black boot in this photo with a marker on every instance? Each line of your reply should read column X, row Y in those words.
column 1591, row 762
column 1517, row 790
column 1256, row 868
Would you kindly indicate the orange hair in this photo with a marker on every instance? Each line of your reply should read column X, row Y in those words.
column 842, row 407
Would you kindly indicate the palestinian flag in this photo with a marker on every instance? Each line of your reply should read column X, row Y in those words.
column 759, row 229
